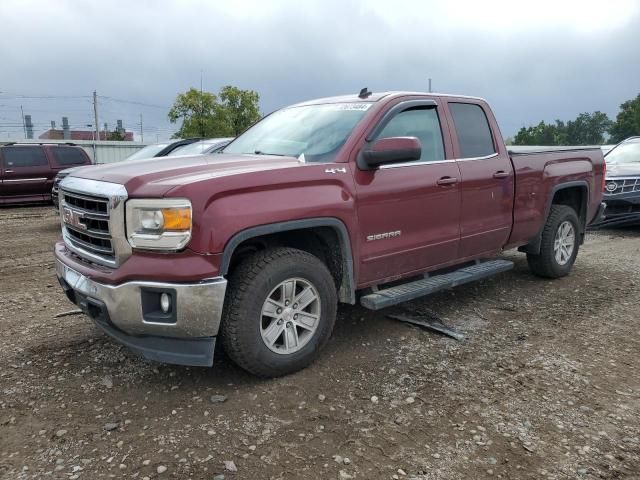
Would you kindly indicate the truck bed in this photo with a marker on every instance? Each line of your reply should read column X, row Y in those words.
column 539, row 173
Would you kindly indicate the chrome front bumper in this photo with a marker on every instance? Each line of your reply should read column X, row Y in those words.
column 126, row 312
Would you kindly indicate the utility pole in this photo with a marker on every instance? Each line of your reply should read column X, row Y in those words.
column 429, row 85
column 95, row 114
column 141, row 134
column 24, row 125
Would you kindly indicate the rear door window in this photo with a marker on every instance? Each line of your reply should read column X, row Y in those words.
column 68, row 156
column 472, row 127
column 421, row 123
column 16, row 157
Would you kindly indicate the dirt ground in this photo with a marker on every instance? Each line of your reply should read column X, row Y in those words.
column 546, row 384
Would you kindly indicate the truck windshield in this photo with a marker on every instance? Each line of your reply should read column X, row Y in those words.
column 315, row 131
column 628, row 152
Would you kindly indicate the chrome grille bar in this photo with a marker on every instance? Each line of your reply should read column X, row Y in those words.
column 85, row 208
column 92, row 219
column 623, row 185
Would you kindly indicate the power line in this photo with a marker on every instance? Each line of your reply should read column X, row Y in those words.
column 42, row 97
column 132, row 102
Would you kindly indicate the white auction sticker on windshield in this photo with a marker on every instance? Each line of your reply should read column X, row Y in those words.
column 362, row 106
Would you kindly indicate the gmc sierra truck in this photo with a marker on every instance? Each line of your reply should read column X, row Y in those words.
column 376, row 198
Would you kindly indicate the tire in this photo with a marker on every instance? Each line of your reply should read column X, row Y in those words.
column 546, row 264
column 261, row 283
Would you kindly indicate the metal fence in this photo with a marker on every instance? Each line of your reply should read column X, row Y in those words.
column 103, row 151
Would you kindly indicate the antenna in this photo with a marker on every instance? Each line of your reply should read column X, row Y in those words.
column 364, row 93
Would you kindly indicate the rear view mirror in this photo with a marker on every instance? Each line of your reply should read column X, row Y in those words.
column 390, row 150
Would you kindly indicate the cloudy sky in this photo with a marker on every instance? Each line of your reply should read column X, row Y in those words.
column 533, row 60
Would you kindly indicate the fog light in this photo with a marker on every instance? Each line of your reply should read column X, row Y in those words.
column 165, row 302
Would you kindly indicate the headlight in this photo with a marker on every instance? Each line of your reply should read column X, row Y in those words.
column 159, row 224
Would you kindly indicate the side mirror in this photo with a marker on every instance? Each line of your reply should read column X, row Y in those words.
column 391, row 150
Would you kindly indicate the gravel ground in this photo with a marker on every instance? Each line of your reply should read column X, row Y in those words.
column 546, row 384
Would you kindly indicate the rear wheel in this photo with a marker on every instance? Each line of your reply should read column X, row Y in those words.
column 279, row 311
column 559, row 244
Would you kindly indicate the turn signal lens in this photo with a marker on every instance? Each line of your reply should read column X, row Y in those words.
column 176, row 219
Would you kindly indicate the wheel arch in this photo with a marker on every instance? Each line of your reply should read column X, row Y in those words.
column 293, row 232
column 573, row 194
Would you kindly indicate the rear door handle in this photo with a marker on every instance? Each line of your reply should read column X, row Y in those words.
column 501, row 174
column 447, row 181
column 9, row 171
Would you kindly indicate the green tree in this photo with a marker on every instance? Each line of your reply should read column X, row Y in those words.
column 239, row 108
column 541, row 134
column 586, row 129
column 204, row 114
column 116, row 136
column 198, row 111
column 627, row 122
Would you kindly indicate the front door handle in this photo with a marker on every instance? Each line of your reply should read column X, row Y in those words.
column 9, row 171
column 501, row 174
column 444, row 181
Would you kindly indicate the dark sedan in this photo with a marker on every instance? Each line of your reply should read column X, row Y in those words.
column 210, row 145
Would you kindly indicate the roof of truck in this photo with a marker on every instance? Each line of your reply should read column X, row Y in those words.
column 377, row 96
column 32, row 144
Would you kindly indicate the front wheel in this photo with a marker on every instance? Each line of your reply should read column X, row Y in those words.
column 279, row 311
column 559, row 245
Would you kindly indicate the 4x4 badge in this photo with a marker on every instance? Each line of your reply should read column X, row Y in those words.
column 335, row 170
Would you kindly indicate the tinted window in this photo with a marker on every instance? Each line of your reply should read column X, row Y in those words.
column 474, row 134
column 149, row 151
column 421, row 123
column 203, row 146
column 68, row 156
column 23, row 156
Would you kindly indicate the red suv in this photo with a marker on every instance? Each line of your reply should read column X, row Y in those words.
column 27, row 170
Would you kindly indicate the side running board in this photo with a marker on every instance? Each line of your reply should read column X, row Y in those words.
column 419, row 288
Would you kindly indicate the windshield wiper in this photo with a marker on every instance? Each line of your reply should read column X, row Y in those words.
column 260, row 152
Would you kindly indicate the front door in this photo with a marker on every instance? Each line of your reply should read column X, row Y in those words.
column 487, row 182
column 409, row 213
column 25, row 172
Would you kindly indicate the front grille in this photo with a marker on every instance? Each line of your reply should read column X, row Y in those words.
column 89, row 230
column 623, row 185
column 95, row 205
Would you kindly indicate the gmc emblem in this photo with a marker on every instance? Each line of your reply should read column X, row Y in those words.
column 73, row 218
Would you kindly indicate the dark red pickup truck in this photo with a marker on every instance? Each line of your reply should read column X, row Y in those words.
column 377, row 197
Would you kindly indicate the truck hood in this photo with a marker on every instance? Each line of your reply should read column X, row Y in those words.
column 623, row 170
column 157, row 176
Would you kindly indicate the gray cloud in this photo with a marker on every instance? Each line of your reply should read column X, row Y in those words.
column 530, row 64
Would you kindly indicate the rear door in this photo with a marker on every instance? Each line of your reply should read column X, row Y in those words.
column 487, row 180
column 409, row 213
column 26, row 170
